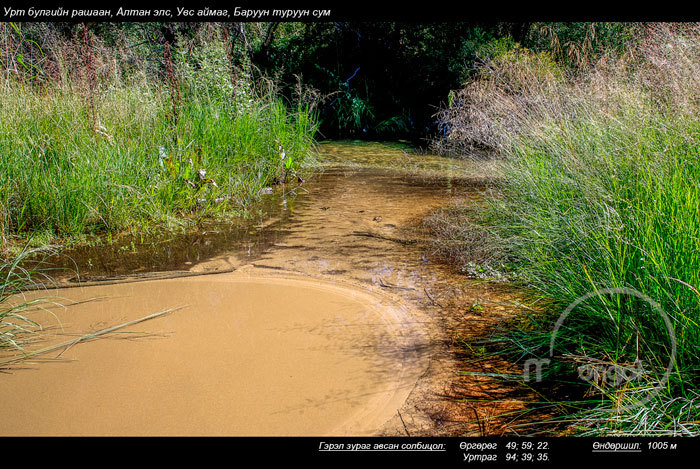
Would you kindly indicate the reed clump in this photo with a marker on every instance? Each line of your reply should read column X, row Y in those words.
column 101, row 139
column 599, row 171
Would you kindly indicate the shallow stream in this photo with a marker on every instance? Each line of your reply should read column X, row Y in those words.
column 324, row 315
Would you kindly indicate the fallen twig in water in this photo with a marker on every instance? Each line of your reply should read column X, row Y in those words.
column 387, row 238
column 404, row 424
column 431, row 298
column 384, row 284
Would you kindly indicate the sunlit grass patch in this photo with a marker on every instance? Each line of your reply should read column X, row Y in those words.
column 107, row 151
column 599, row 191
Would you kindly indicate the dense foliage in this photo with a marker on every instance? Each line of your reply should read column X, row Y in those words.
column 600, row 168
column 386, row 80
column 370, row 80
column 100, row 138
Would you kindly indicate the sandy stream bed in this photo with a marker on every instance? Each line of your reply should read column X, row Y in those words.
column 337, row 325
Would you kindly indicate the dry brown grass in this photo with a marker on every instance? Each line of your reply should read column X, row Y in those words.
column 520, row 92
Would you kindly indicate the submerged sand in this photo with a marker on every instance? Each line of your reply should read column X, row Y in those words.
column 249, row 354
column 328, row 317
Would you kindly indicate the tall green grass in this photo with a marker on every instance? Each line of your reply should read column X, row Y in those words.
column 606, row 203
column 101, row 147
column 600, row 190
column 16, row 328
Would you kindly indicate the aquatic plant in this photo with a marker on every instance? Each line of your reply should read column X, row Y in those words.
column 15, row 280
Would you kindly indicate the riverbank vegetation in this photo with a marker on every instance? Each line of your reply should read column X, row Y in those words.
column 103, row 134
column 108, row 127
column 99, row 138
column 598, row 191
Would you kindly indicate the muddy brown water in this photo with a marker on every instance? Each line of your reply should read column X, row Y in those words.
column 324, row 316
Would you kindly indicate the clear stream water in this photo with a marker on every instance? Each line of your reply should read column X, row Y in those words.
column 325, row 315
